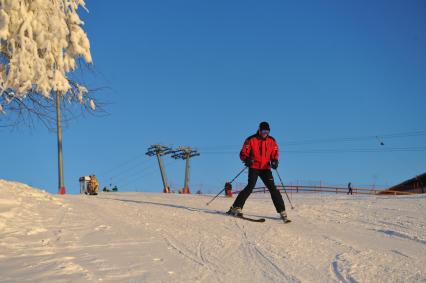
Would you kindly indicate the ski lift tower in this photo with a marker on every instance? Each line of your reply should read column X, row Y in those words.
column 160, row 150
column 185, row 153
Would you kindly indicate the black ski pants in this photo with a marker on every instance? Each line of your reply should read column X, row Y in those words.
column 268, row 180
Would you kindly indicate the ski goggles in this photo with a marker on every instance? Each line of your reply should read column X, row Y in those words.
column 264, row 132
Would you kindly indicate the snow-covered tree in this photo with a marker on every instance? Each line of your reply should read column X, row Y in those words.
column 41, row 43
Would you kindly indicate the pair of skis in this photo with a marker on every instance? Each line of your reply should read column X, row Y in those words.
column 257, row 220
column 241, row 216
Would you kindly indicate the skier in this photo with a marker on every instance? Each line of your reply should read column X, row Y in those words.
column 349, row 188
column 260, row 154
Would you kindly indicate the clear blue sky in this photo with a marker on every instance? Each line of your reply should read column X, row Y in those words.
column 205, row 73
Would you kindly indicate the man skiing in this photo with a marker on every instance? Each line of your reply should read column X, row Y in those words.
column 260, row 154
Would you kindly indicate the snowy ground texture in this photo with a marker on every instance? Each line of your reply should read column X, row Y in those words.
column 142, row 237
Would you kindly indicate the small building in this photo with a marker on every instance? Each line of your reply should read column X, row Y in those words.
column 416, row 185
column 84, row 181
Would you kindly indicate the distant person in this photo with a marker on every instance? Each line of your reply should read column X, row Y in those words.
column 93, row 185
column 349, row 188
column 260, row 154
column 228, row 189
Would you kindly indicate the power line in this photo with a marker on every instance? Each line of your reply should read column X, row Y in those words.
column 347, row 150
column 120, row 165
column 138, row 176
column 359, row 138
column 145, row 173
column 122, row 169
column 330, row 140
column 132, row 172
column 228, row 149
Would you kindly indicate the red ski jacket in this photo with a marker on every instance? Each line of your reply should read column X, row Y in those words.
column 261, row 150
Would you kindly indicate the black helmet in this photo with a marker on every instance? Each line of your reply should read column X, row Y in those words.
column 264, row 126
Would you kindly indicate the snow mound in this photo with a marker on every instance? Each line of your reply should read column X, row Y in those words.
column 143, row 237
column 19, row 204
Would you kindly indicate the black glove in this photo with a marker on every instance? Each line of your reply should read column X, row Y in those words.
column 249, row 161
column 274, row 164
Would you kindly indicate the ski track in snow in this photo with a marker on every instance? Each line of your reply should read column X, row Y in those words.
column 146, row 237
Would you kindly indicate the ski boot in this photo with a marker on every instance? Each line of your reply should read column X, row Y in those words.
column 283, row 216
column 235, row 211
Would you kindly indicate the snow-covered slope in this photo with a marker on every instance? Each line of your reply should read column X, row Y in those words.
column 142, row 237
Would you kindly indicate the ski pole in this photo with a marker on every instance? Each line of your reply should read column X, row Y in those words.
column 224, row 188
column 282, row 184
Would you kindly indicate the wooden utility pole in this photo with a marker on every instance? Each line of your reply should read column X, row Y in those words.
column 61, row 185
